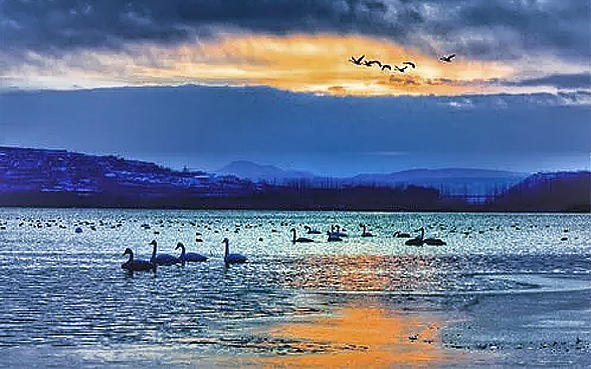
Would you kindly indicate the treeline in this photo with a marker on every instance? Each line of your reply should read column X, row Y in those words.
column 550, row 192
column 411, row 198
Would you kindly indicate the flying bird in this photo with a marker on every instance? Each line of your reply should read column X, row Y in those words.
column 386, row 66
column 448, row 58
column 357, row 61
column 401, row 70
column 410, row 63
column 369, row 63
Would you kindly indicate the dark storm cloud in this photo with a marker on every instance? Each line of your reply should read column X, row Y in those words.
column 478, row 28
column 557, row 24
column 560, row 81
column 72, row 23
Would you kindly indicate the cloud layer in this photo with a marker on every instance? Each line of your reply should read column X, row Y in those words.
column 207, row 127
column 491, row 29
column 317, row 64
column 298, row 45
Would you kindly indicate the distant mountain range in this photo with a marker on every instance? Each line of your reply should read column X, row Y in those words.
column 59, row 178
column 454, row 181
column 256, row 172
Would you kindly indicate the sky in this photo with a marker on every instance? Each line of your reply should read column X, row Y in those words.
column 199, row 84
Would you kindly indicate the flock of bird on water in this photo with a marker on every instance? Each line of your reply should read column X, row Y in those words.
column 368, row 63
column 335, row 234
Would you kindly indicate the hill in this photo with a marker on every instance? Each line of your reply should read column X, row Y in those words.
column 58, row 177
column 451, row 181
column 559, row 191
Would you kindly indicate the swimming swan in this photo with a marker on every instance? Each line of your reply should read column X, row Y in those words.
column 232, row 258
column 162, row 259
column 189, row 256
column 301, row 239
column 365, row 234
column 136, row 265
column 418, row 240
column 332, row 236
column 339, row 233
column 431, row 241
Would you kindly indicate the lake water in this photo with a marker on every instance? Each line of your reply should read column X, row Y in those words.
column 66, row 302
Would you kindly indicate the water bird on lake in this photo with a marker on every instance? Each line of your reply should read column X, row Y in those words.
column 189, row 256
column 338, row 233
column 357, row 61
column 311, row 230
column 300, row 239
column 401, row 235
column 137, row 265
column 447, row 59
column 332, row 237
column 233, row 258
column 429, row 241
column 162, row 259
column 417, row 241
column 364, row 233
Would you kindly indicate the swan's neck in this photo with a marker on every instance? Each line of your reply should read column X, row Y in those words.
column 154, row 251
column 227, row 249
column 182, row 251
column 294, row 235
column 130, row 260
column 422, row 233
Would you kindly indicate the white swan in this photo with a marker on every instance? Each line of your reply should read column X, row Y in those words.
column 301, row 239
column 162, row 259
column 417, row 241
column 189, row 256
column 136, row 265
column 232, row 258
column 365, row 234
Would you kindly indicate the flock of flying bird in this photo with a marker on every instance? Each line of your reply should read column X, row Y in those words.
column 335, row 234
column 368, row 63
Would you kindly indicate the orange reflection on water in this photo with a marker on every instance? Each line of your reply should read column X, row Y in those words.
column 364, row 337
column 365, row 273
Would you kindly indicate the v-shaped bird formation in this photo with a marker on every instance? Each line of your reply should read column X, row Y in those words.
column 404, row 65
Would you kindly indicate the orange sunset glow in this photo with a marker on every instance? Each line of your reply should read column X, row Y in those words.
column 365, row 337
column 300, row 63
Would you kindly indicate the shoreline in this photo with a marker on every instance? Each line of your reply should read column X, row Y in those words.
column 238, row 208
